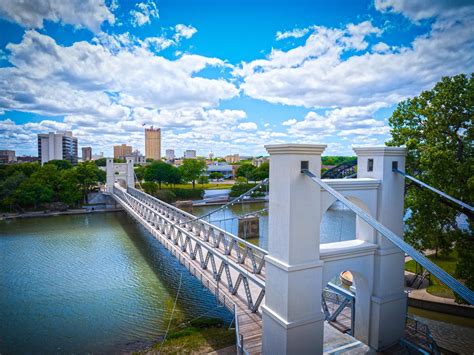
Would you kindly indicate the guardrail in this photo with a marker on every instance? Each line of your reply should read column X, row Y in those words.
column 242, row 249
column 418, row 337
column 201, row 251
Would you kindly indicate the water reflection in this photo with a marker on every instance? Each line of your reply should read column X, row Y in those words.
column 94, row 283
column 337, row 224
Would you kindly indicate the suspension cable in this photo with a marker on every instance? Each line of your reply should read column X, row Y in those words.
column 240, row 215
column 249, row 192
column 172, row 312
column 441, row 193
column 442, row 275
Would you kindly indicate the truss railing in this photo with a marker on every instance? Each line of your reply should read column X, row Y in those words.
column 340, row 297
column 206, row 252
column 244, row 252
column 442, row 275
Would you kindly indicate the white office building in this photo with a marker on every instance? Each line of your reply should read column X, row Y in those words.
column 57, row 146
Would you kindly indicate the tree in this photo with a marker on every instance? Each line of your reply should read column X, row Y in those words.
column 159, row 171
column 32, row 193
column 69, row 188
column 174, row 176
column 60, row 164
column 247, row 171
column 262, row 172
column 88, row 175
column 216, row 175
column 192, row 169
column 203, row 179
column 100, row 162
column 140, row 172
column 8, row 187
column 437, row 129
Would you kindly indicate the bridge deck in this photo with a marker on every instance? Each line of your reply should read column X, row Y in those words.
column 226, row 288
column 249, row 323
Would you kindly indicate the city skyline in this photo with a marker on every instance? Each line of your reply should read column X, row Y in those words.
column 225, row 77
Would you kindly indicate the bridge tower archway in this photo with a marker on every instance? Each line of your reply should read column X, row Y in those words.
column 121, row 173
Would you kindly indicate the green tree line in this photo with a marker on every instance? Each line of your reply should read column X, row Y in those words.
column 29, row 186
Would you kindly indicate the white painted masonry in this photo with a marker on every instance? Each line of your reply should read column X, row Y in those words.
column 120, row 172
column 298, row 267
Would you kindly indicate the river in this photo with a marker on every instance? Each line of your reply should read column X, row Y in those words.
column 90, row 283
column 101, row 283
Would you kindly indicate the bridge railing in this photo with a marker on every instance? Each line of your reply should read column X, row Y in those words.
column 198, row 249
column 244, row 251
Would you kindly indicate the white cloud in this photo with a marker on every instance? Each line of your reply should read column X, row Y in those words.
column 145, row 13
column 295, row 33
column 248, row 126
column 79, row 13
column 86, row 78
column 381, row 47
column 421, row 9
column 346, row 121
column 324, row 72
column 289, row 122
column 184, row 31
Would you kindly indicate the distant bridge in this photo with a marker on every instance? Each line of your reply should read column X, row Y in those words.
column 347, row 169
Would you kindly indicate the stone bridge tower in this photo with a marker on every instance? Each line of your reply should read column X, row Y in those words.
column 120, row 172
column 298, row 267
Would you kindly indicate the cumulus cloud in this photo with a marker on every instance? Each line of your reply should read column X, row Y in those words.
column 184, row 31
column 87, row 78
column 79, row 13
column 247, row 126
column 144, row 13
column 356, row 122
column 335, row 69
column 295, row 33
column 421, row 9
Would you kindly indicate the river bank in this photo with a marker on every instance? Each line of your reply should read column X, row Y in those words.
column 69, row 212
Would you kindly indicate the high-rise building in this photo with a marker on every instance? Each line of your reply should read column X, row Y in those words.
column 153, row 143
column 86, row 153
column 190, row 154
column 121, row 151
column 57, row 146
column 7, row 156
column 170, row 154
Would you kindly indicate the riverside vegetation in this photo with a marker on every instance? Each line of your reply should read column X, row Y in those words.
column 30, row 186
column 437, row 129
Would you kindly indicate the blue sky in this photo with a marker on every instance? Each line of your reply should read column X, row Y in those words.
column 222, row 76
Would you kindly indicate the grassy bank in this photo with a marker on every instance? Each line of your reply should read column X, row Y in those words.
column 197, row 337
column 447, row 263
column 209, row 186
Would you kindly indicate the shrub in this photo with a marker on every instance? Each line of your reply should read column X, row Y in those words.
column 188, row 194
column 150, row 187
column 165, row 196
column 240, row 188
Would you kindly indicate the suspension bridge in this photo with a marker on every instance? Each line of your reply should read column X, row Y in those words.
column 277, row 294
